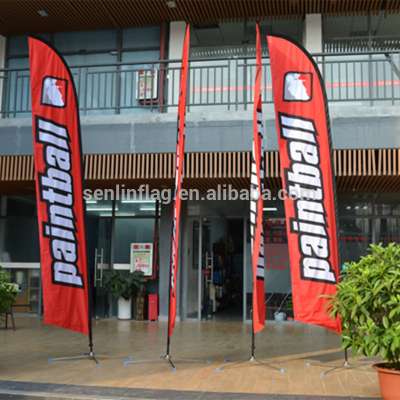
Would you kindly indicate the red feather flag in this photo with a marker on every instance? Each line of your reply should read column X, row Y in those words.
column 256, row 198
column 58, row 173
column 180, row 155
column 307, row 175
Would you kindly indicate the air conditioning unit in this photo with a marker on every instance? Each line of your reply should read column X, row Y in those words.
column 147, row 85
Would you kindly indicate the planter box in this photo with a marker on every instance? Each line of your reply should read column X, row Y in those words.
column 389, row 381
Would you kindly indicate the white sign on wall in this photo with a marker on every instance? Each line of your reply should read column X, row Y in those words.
column 142, row 258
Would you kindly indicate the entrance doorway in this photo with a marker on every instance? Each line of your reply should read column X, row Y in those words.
column 214, row 272
column 99, row 257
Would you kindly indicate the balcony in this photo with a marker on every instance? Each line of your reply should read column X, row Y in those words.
column 215, row 84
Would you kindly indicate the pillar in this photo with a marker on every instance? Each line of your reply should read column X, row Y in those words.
column 176, row 37
column 312, row 35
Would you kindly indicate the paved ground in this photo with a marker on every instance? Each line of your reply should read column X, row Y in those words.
column 25, row 391
column 296, row 360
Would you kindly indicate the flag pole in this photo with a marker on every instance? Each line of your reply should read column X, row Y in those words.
column 253, row 339
column 167, row 355
column 177, row 201
column 91, row 353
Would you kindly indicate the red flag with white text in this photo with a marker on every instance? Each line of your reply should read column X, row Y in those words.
column 179, row 160
column 58, row 175
column 305, row 149
column 256, row 198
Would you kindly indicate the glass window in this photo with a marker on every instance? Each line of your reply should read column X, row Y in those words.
column 19, row 240
column 141, row 37
column 97, row 86
column 20, row 206
column 102, row 208
column 355, row 208
column 18, row 45
column 240, row 33
column 85, row 41
column 135, row 208
column 131, row 230
column 387, row 230
column 355, row 236
column 361, row 32
column 28, row 297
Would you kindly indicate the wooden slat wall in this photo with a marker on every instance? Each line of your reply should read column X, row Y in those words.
column 355, row 169
column 20, row 16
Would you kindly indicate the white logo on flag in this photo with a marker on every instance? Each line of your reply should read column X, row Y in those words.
column 53, row 92
column 297, row 87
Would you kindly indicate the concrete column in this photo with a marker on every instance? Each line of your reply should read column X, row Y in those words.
column 312, row 35
column 176, row 37
column 3, row 49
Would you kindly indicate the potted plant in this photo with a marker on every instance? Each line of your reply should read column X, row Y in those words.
column 368, row 303
column 8, row 292
column 124, row 285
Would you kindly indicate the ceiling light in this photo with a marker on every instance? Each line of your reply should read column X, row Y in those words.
column 147, row 209
column 171, row 4
column 99, row 209
column 43, row 13
column 137, row 201
column 270, row 209
column 126, row 214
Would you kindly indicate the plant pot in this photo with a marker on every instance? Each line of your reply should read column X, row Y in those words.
column 389, row 381
column 124, row 308
column 279, row 316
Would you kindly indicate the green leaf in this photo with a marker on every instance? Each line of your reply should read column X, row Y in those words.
column 368, row 303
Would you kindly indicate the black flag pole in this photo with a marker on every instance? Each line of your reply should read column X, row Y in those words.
column 253, row 342
column 167, row 355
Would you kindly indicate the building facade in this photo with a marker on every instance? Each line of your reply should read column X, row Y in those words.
column 125, row 62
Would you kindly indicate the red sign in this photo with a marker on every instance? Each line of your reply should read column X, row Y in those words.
column 179, row 160
column 256, row 200
column 307, row 175
column 58, row 173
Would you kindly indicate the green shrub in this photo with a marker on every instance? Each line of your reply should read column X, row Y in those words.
column 123, row 283
column 8, row 291
column 368, row 302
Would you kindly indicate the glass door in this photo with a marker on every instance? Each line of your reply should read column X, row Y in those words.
column 191, row 261
column 99, row 258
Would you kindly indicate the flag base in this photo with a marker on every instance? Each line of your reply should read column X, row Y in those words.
column 168, row 359
column 253, row 361
column 334, row 368
column 132, row 361
column 91, row 356
column 85, row 356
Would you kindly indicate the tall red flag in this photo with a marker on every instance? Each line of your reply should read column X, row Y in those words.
column 307, row 174
column 180, row 155
column 256, row 198
column 58, row 173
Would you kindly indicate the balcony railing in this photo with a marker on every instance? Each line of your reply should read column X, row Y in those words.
column 215, row 84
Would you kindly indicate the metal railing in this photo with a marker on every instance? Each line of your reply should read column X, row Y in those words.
column 218, row 83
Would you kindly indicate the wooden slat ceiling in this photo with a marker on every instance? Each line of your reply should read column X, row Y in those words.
column 359, row 170
column 21, row 16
